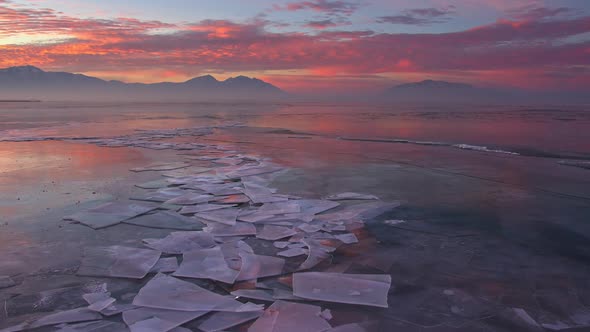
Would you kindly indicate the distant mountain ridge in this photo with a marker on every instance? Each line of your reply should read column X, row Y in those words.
column 25, row 82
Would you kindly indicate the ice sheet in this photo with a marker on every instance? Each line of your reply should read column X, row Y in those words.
column 224, row 216
column 139, row 319
column 191, row 209
column 118, row 261
column 109, row 214
column 363, row 289
column 293, row 252
column 190, row 198
column 273, row 233
column 239, row 229
column 206, row 264
column 161, row 167
column 160, row 196
column 166, row 220
column 179, row 242
column 315, row 206
column 68, row 316
column 165, row 265
column 257, row 266
column 223, row 320
column 290, row 317
column 164, row 292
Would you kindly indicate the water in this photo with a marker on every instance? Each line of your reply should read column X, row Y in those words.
column 489, row 209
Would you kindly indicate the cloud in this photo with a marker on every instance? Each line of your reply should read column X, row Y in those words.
column 329, row 7
column 222, row 46
column 324, row 24
column 535, row 13
column 420, row 16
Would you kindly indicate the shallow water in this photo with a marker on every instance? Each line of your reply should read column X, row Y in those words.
column 481, row 221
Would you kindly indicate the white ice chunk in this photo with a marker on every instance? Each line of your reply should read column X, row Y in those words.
column 348, row 238
column 363, row 289
column 118, row 261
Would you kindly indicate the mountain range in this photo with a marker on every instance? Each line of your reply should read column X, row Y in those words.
column 29, row 82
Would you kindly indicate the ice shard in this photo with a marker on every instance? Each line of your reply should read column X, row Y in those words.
column 207, row 264
column 166, row 220
column 179, row 242
column 290, row 317
column 118, row 261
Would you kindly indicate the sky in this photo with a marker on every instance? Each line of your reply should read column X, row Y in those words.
column 307, row 46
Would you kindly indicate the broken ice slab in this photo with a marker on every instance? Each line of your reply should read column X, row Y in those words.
column 68, row 316
column 220, row 321
column 315, row 206
column 348, row 238
column 6, row 281
column 239, row 229
column 156, row 184
column 309, row 228
column 293, row 252
column 259, row 193
column 232, row 199
column 317, row 254
column 280, row 207
column 281, row 244
column 160, row 196
column 109, row 214
column 257, row 266
column 98, row 301
column 205, row 207
column 166, row 220
column 190, row 198
column 179, row 242
column 161, row 167
column 187, row 171
column 164, row 292
column 273, row 233
column 118, row 261
column 117, row 308
column 363, row 289
column 165, row 265
column 223, row 216
column 254, row 216
column 252, row 170
column 223, row 189
column 206, row 264
column 95, row 326
column 165, row 320
column 351, row 196
column 290, row 317
column 256, row 294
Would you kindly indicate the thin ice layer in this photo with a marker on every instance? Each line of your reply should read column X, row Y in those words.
column 161, row 167
column 109, row 214
column 95, row 326
column 179, row 242
column 68, row 316
column 165, row 265
column 363, row 289
column 207, row 264
column 166, row 220
column 118, row 261
column 165, row 292
column 290, row 317
column 223, row 320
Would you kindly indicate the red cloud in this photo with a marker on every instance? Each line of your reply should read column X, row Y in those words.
column 494, row 51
